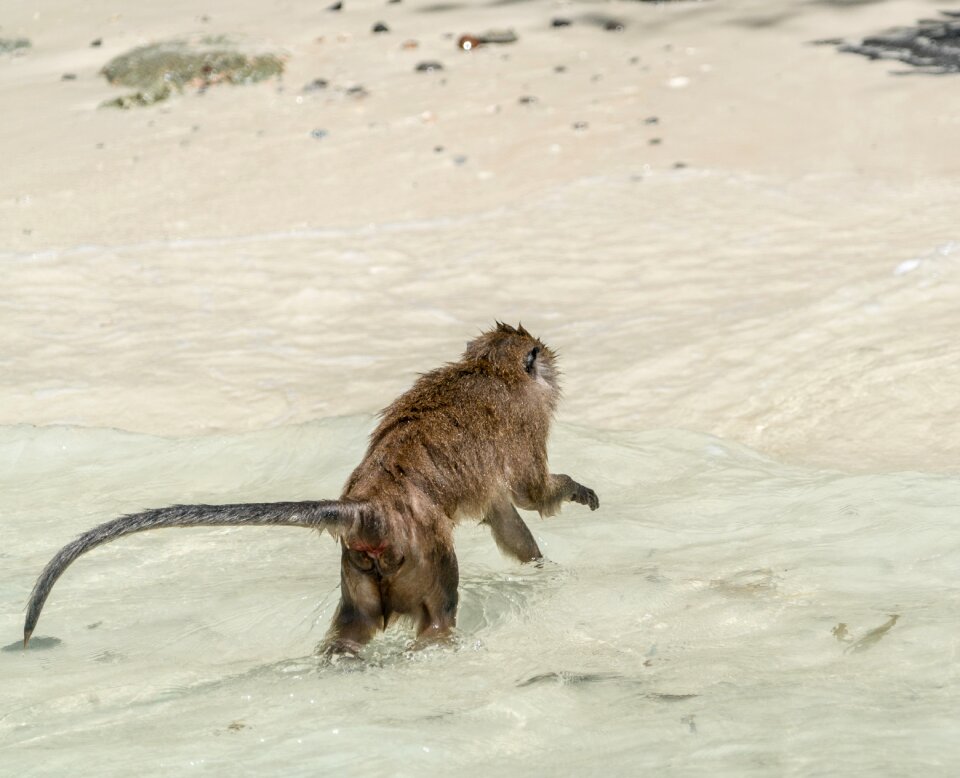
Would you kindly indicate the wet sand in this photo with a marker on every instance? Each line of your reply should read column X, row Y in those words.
column 674, row 208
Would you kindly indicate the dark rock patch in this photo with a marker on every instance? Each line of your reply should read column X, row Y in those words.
column 13, row 44
column 931, row 46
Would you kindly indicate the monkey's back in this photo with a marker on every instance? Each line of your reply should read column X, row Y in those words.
column 458, row 438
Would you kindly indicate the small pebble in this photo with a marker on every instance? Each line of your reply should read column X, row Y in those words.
column 651, row 120
column 679, row 165
column 654, row 141
column 316, row 85
column 498, row 36
column 438, row 149
column 560, row 22
column 460, row 159
column 68, row 77
column 428, row 66
column 318, row 134
column 410, row 44
column 380, row 27
column 357, row 91
column 580, row 126
column 96, row 44
column 335, row 7
column 560, row 69
column 468, row 42
column 527, row 100
column 613, row 26
column 392, row 2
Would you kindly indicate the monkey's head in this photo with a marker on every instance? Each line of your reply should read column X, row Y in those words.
column 517, row 352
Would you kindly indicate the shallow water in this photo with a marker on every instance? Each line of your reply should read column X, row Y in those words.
column 720, row 611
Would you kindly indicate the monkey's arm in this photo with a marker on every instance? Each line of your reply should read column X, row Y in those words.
column 549, row 496
column 510, row 532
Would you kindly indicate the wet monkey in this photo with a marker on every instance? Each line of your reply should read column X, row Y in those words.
column 469, row 439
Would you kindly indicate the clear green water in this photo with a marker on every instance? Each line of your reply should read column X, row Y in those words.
column 721, row 612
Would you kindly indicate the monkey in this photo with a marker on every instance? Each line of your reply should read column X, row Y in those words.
column 467, row 440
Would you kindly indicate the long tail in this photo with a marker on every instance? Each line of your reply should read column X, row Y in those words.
column 333, row 516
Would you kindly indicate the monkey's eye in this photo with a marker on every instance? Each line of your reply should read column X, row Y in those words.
column 530, row 359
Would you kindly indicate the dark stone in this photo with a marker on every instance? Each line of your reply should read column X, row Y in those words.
column 428, row 66
column 527, row 100
column 560, row 22
column 68, row 77
column 380, row 27
column 560, row 69
column 335, row 7
column 580, row 126
column 96, row 44
column 317, row 85
column 651, row 120
column 318, row 134
column 655, row 141
column 614, row 26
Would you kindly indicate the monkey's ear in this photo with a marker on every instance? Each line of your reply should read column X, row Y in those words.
column 530, row 361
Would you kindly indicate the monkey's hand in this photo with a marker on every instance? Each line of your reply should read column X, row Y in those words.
column 585, row 496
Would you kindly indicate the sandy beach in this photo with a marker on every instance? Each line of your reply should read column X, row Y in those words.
column 734, row 238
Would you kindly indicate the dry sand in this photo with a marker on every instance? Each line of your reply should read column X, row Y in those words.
column 207, row 264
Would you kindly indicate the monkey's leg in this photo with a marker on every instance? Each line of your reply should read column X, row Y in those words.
column 360, row 614
column 547, row 498
column 512, row 535
column 438, row 611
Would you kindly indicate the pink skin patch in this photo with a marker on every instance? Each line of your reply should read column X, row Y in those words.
column 374, row 551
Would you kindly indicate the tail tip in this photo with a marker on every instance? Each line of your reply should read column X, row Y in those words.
column 26, row 636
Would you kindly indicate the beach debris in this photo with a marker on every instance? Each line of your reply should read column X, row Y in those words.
column 931, row 46
column 13, row 44
column 469, row 42
column 317, row 85
column 158, row 70
column 871, row 638
column 380, row 27
column 428, row 66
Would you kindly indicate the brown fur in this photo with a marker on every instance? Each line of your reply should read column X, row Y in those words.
column 468, row 439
